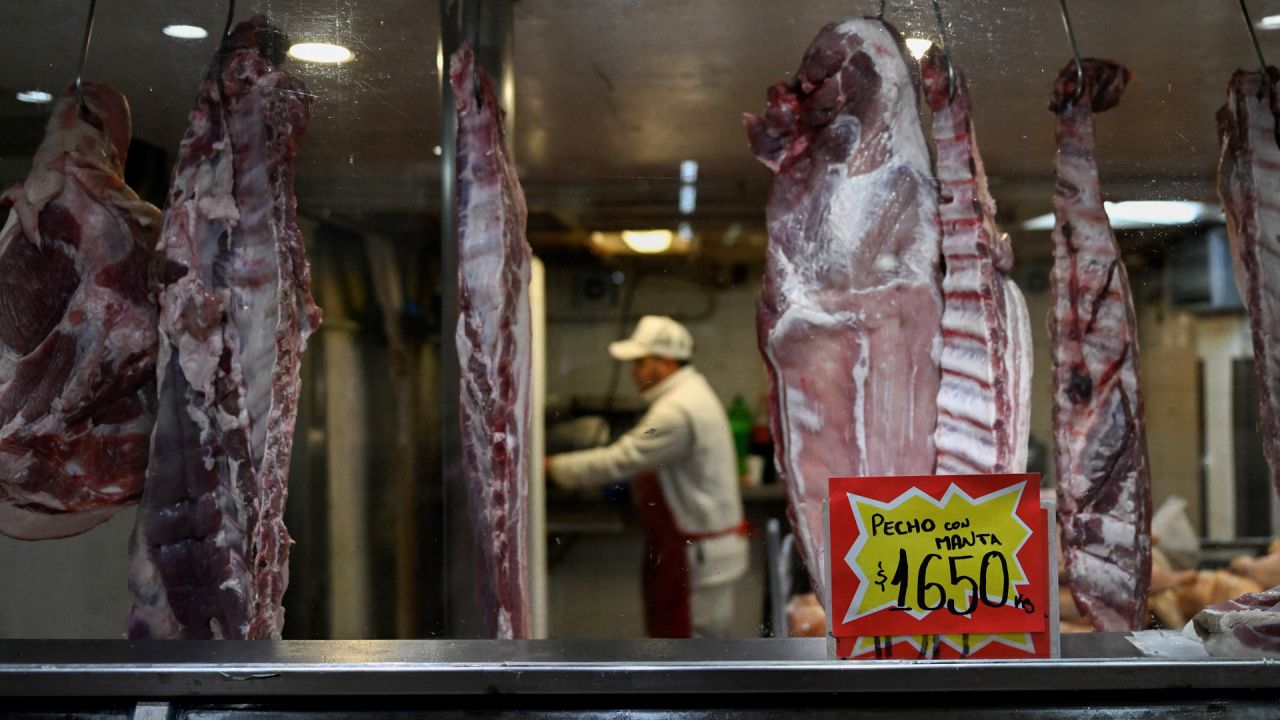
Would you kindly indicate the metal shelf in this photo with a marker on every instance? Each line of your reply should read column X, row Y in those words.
column 228, row 670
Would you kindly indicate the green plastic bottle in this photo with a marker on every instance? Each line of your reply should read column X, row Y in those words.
column 740, row 421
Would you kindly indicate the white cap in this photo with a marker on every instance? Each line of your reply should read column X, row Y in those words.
column 655, row 335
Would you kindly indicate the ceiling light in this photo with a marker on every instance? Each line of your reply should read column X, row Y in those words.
column 437, row 151
column 1143, row 213
column 643, row 242
column 919, row 46
column 1153, row 212
column 320, row 53
column 1270, row 22
column 34, row 96
column 185, row 32
column 689, row 171
column 648, row 242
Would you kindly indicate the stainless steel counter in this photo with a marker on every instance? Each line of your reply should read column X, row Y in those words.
column 1100, row 671
column 334, row 668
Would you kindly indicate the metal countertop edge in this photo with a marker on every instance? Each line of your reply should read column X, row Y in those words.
column 560, row 678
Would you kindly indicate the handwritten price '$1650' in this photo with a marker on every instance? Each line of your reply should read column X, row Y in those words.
column 993, row 575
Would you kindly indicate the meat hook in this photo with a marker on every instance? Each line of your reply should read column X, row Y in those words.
column 1075, row 50
column 84, row 53
column 221, row 55
column 880, row 15
column 231, row 14
column 1253, row 35
column 946, row 50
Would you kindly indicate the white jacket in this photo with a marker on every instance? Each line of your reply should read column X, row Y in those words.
column 685, row 437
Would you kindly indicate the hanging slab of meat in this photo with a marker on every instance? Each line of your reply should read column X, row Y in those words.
column 1100, row 445
column 849, row 315
column 77, row 327
column 494, row 341
column 209, row 555
column 1249, row 183
column 984, row 402
column 1248, row 626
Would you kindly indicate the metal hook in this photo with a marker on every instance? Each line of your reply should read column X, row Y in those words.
column 231, row 14
column 84, row 53
column 1262, row 63
column 221, row 55
column 946, row 50
column 1075, row 50
column 880, row 15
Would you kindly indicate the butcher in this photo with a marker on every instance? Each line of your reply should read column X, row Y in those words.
column 679, row 460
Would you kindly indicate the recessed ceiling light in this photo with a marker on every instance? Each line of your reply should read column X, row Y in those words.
column 38, row 97
column 320, row 52
column 1270, row 22
column 185, row 32
column 919, row 46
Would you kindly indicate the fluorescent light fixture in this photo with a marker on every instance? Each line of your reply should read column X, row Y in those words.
column 689, row 171
column 1270, row 22
column 688, row 199
column 919, row 46
column 38, row 97
column 320, row 53
column 185, row 32
column 648, row 242
column 1143, row 213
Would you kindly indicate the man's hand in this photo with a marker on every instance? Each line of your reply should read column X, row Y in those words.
column 549, row 473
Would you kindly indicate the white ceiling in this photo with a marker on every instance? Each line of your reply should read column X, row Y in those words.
column 613, row 94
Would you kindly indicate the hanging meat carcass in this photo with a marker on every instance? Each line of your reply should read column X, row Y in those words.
column 77, row 327
column 1100, row 447
column 494, row 341
column 849, row 315
column 984, row 403
column 209, row 555
column 1249, row 183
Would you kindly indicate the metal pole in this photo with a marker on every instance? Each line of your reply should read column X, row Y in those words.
column 488, row 25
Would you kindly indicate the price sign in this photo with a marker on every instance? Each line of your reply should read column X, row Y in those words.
column 937, row 555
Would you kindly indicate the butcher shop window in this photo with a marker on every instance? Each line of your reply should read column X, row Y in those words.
column 289, row 256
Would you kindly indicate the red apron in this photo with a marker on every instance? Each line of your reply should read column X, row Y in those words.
column 666, row 562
